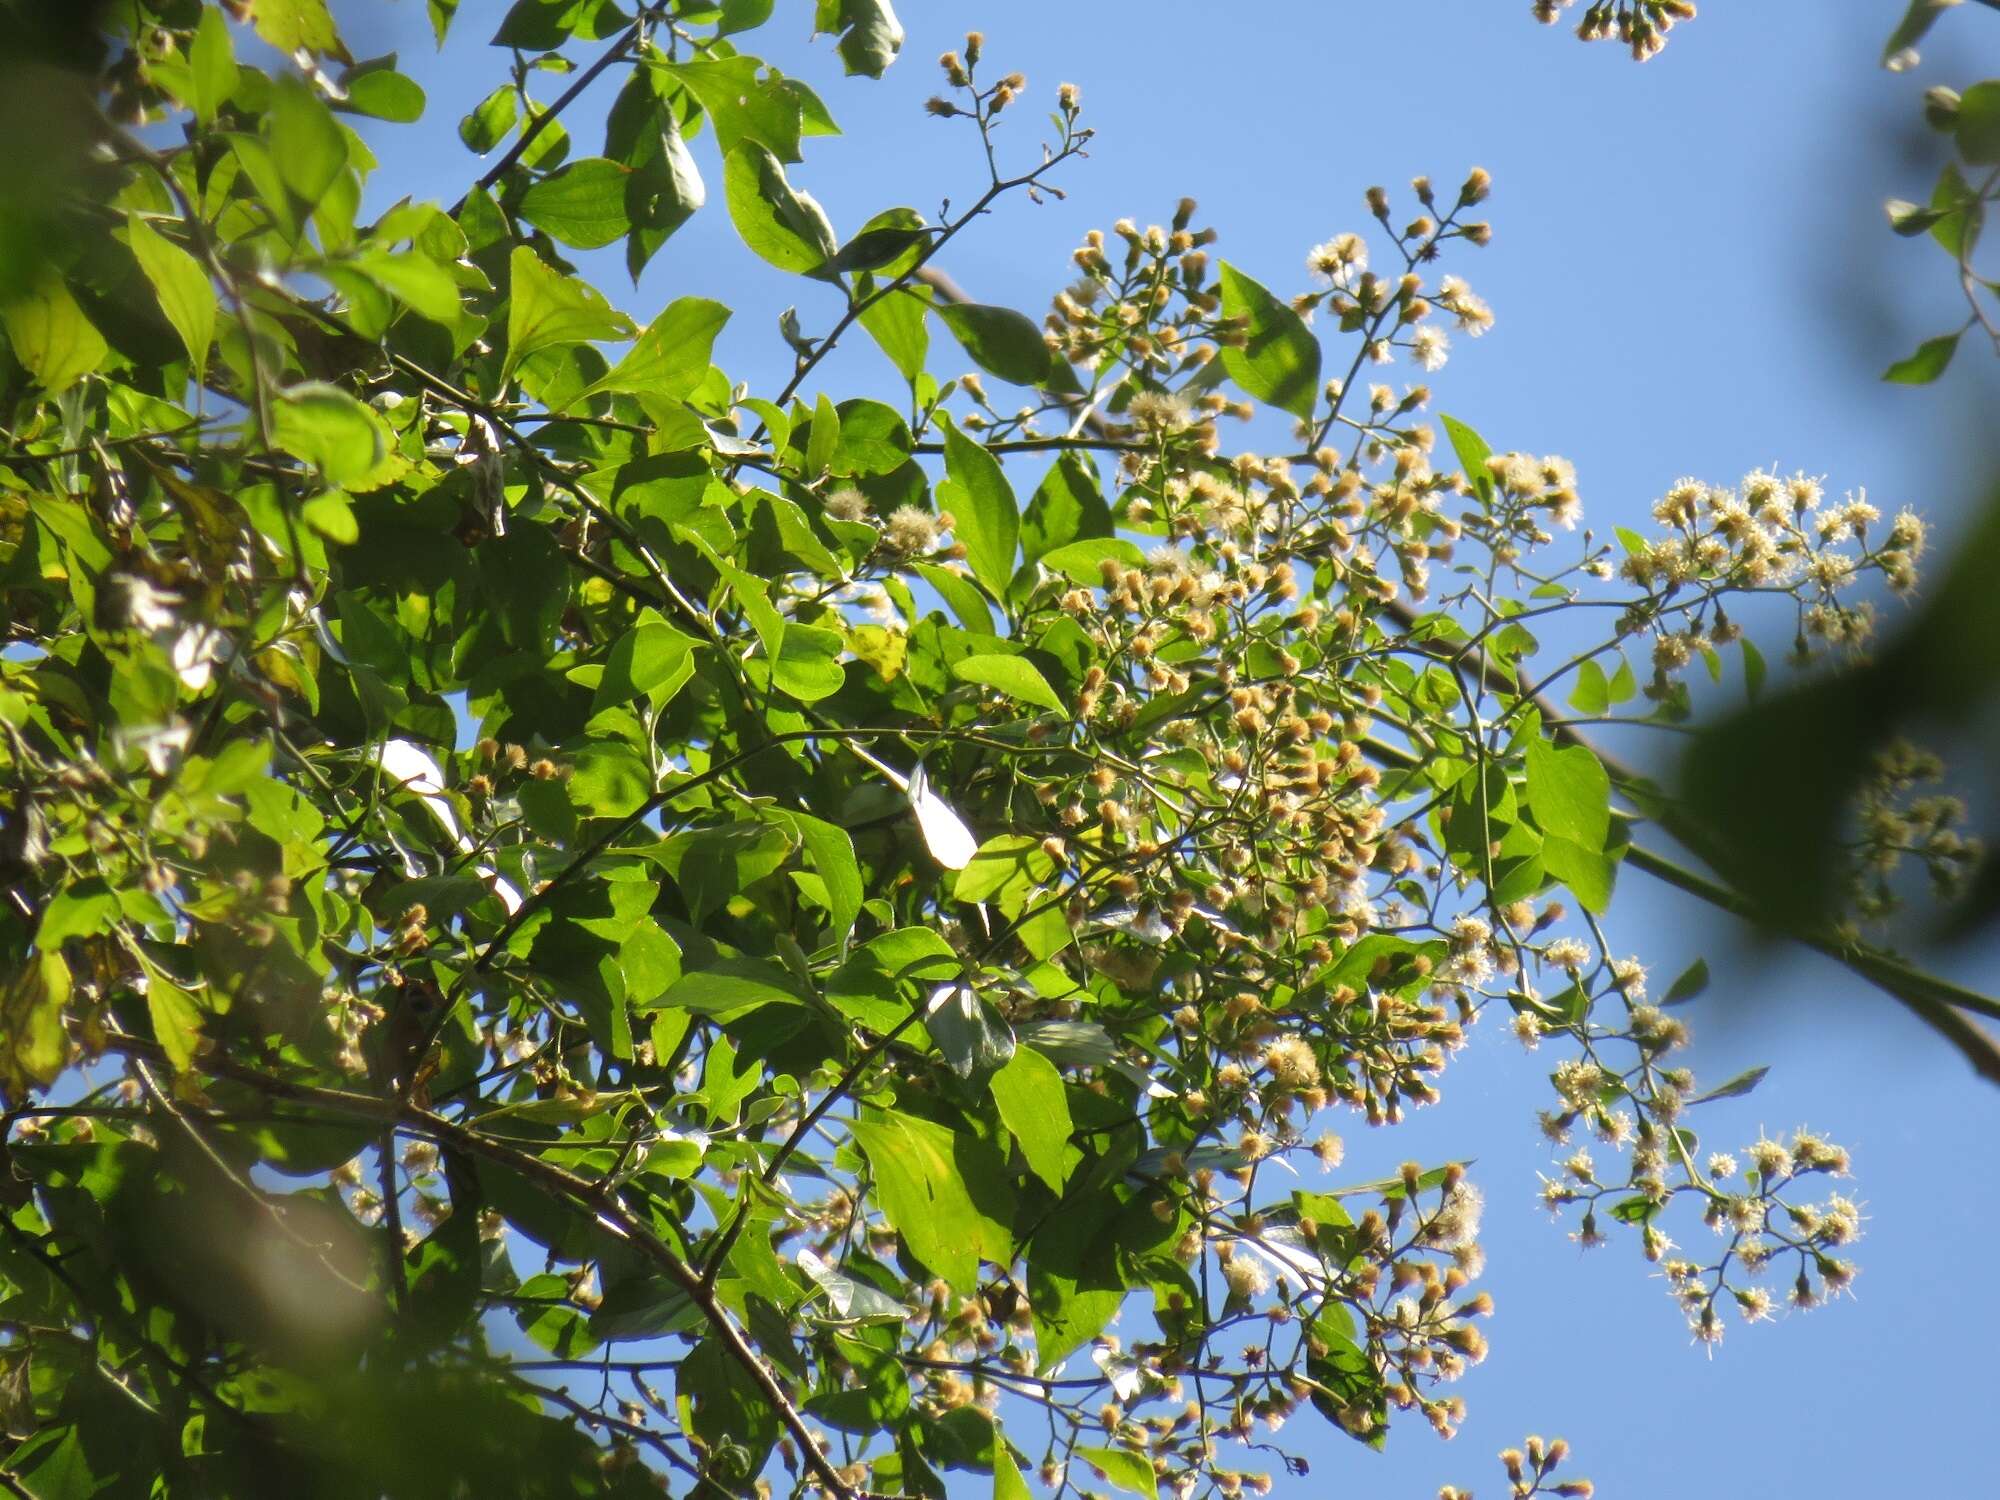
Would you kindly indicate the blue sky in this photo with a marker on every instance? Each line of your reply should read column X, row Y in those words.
column 1692, row 275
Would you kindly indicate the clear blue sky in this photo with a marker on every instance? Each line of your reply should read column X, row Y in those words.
column 1692, row 275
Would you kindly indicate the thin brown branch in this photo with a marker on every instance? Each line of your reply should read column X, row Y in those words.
column 604, row 1205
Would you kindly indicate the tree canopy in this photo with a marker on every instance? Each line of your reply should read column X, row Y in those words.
column 570, row 926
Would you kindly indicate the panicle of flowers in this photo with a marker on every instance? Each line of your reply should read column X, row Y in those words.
column 1894, row 821
column 1531, row 1470
column 1767, row 533
column 1641, row 25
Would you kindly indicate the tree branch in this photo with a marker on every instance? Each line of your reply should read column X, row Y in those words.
column 603, row 1204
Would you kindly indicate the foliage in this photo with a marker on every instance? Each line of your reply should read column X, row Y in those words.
column 1856, row 814
column 513, row 844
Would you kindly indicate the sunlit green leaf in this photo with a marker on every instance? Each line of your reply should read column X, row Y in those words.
column 51, row 335
column 580, row 204
column 1033, row 1105
column 1278, row 358
column 1013, row 675
column 1929, row 361
column 548, row 309
column 942, row 1190
column 305, row 140
column 987, row 517
column 324, row 426
column 783, row 225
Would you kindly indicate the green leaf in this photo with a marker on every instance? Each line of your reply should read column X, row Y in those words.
column 490, row 120
column 896, row 323
column 1753, row 669
column 1693, row 980
column 961, row 597
column 331, row 514
column 987, row 517
column 1624, row 686
column 376, row 88
column 292, row 26
column 306, row 140
column 186, row 296
column 870, row 34
column 853, row 1301
column 582, row 204
column 1015, row 676
column 1034, row 1105
column 50, row 334
column 609, row 779
column 728, row 987
column 1123, row 1469
column 744, row 107
column 831, row 850
column 942, row 1191
column 661, row 195
column 783, row 225
column 1000, row 340
column 671, row 357
column 1004, row 869
column 1007, row 1481
column 1569, row 793
column 1472, row 454
column 743, row 15
column 548, row 309
column 33, row 1045
column 1082, row 562
column 1067, row 506
column 1929, row 361
column 415, row 279
column 1735, row 1088
column 823, row 441
column 1957, row 213
column 176, row 1018
column 1915, row 25
column 878, row 246
column 324, row 426
column 651, row 660
column 969, row 1035
column 1278, row 360
column 1977, row 124
column 1074, row 1288
column 83, row 910
column 1592, row 694
column 211, row 65
column 543, row 25
column 873, row 439
column 1588, row 872
column 807, row 665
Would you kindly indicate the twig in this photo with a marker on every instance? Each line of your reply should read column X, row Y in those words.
column 611, row 1214
column 568, row 97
